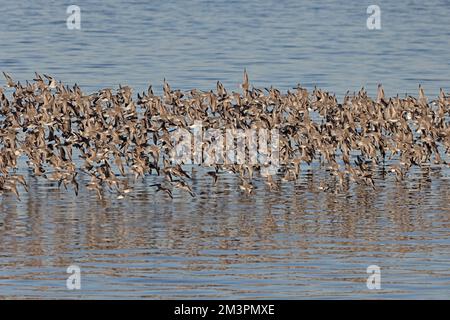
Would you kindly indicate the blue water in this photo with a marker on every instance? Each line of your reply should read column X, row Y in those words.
column 193, row 45
column 297, row 243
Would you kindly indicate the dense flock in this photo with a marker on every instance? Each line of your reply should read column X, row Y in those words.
column 105, row 141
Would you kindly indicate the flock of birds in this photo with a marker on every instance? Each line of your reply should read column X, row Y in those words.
column 107, row 139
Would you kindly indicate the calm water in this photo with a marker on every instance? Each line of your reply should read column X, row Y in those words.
column 300, row 242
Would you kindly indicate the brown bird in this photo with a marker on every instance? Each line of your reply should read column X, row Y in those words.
column 213, row 174
column 9, row 81
column 162, row 188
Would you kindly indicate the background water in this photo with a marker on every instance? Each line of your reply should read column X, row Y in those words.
column 297, row 243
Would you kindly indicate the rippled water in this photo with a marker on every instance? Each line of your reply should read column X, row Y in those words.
column 300, row 242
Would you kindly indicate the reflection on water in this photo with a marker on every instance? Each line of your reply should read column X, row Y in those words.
column 299, row 242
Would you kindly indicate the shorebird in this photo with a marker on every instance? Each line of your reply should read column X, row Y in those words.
column 162, row 188
column 180, row 184
column 213, row 174
column 246, row 186
column 52, row 82
column 9, row 81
